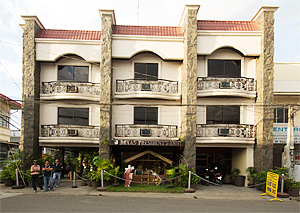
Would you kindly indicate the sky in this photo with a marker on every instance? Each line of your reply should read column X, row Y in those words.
column 84, row 15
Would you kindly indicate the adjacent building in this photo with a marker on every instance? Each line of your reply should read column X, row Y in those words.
column 200, row 92
column 7, row 145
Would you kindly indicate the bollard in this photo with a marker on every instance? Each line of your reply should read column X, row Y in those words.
column 102, row 178
column 282, row 183
column 74, row 181
column 189, row 184
column 17, row 178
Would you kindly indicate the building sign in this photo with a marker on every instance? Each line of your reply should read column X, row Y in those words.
column 280, row 134
column 272, row 185
column 146, row 143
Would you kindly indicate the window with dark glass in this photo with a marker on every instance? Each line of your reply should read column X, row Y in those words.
column 73, row 73
column 281, row 115
column 146, row 71
column 224, row 68
column 145, row 115
column 4, row 119
column 73, row 116
column 222, row 115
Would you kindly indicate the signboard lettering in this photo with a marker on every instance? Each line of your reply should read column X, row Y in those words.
column 280, row 134
column 146, row 143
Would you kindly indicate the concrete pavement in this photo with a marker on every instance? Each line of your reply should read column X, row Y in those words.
column 226, row 192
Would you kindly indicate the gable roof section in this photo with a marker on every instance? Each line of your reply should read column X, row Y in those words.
column 13, row 104
column 227, row 25
column 147, row 30
column 69, row 34
column 148, row 152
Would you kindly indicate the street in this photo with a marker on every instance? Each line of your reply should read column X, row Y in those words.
column 47, row 202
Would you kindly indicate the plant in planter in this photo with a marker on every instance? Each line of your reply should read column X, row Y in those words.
column 239, row 180
column 103, row 164
column 260, row 177
column 171, row 174
column 293, row 187
column 234, row 173
column 250, row 170
column 116, row 173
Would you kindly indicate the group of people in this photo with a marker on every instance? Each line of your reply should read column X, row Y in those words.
column 51, row 172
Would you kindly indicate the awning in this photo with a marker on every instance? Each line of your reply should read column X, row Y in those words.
column 148, row 152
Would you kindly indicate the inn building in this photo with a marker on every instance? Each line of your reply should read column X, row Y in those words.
column 200, row 92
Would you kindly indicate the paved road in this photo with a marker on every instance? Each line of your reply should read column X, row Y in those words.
column 47, row 202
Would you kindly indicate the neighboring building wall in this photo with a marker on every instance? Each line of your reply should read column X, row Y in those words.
column 264, row 103
column 4, row 112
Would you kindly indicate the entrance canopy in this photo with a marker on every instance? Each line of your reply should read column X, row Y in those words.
column 148, row 152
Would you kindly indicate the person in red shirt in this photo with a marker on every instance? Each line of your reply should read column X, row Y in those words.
column 35, row 172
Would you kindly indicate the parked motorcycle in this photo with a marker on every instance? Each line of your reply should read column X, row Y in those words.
column 216, row 176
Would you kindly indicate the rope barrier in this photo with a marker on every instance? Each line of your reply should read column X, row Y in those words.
column 207, row 180
column 252, row 186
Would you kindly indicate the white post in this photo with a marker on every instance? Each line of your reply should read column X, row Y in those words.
column 101, row 178
column 189, row 184
column 74, row 181
column 17, row 177
column 282, row 183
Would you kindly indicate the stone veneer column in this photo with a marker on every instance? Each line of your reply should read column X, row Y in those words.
column 108, row 20
column 264, row 113
column 189, row 84
column 30, row 88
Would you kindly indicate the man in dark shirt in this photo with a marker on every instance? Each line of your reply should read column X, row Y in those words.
column 47, row 170
column 57, row 167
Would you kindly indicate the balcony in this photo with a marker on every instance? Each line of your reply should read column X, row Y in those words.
column 145, row 132
column 162, row 89
column 70, row 90
column 225, row 134
column 241, row 87
column 67, row 135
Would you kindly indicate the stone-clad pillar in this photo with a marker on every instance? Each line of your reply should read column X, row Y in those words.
column 30, row 88
column 189, row 84
column 108, row 20
column 264, row 113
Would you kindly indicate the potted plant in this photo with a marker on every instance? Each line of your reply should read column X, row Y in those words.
column 103, row 164
column 239, row 180
column 171, row 174
column 115, row 172
column 6, row 177
column 250, row 170
column 95, row 177
column 293, row 187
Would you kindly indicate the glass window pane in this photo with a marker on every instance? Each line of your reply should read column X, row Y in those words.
column 65, row 73
column 286, row 115
column 81, row 74
column 213, row 115
column 140, row 71
column 151, row 115
column 215, row 68
column 233, row 68
column 152, row 72
column 139, row 115
column 231, row 114
column 279, row 115
column 81, row 116
column 65, row 116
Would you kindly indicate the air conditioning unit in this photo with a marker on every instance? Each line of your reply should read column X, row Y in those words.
column 72, row 132
column 72, row 89
column 223, row 132
column 145, row 132
column 225, row 85
column 146, row 87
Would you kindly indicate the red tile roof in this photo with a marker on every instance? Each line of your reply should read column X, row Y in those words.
column 227, row 25
column 70, row 34
column 13, row 104
column 147, row 30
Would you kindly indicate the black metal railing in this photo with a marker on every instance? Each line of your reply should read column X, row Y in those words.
column 137, row 130
column 70, row 87
column 70, row 131
column 226, row 130
column 159, row 85
column 209, row 83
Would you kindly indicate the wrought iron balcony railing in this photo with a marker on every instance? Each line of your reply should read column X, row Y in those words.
column 70, row 131
column 70, row 87
column 225, row 130
column 137, row 130
column 159, row 85
column 208, row 83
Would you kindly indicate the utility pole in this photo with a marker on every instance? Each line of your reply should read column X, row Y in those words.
column 288, row 160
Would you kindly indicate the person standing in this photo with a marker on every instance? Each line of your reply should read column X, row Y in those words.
column 35, row 172
column 47, row 169
column 57, row 167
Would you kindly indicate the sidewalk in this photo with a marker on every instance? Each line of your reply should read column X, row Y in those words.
column 226, row 192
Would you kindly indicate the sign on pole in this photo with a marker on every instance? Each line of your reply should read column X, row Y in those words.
column 272, row 185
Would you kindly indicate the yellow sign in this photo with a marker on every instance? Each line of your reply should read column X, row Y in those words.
column 272, row 185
